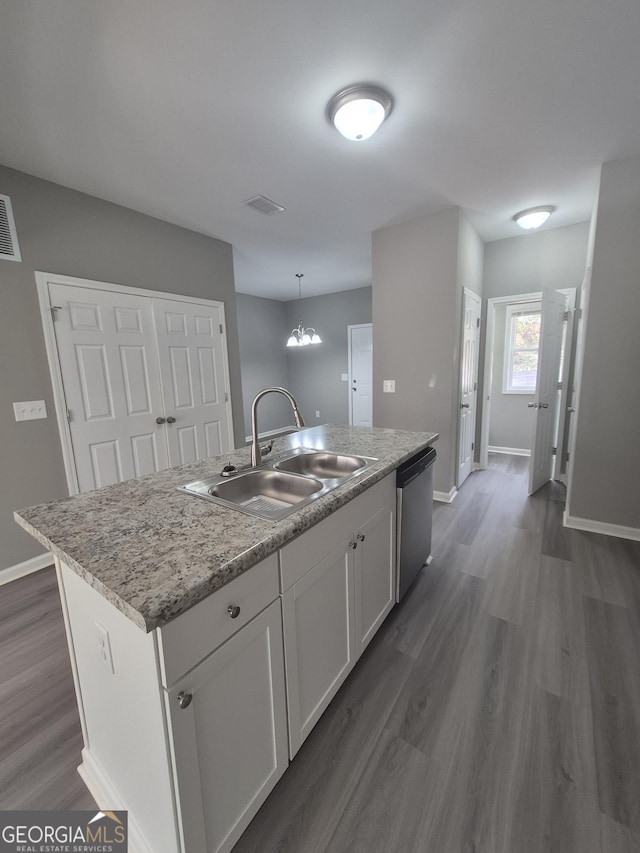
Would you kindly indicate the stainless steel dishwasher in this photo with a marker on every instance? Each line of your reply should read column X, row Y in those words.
column 414, row 488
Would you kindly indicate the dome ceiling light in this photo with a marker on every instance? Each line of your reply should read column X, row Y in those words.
column 357, row 112
column 533, row 217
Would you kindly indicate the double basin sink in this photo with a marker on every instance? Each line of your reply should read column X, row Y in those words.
column 283, row 484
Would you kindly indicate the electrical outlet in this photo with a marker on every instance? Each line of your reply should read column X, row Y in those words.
column 389, row 386
column 30, row 410
column 345, row 377
column 317, row 413
column 104, row 647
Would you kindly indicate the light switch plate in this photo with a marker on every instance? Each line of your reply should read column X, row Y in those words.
column 389, row 386
column 30, row 411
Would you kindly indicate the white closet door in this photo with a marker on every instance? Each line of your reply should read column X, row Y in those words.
column 191, row 353
column 107, row 353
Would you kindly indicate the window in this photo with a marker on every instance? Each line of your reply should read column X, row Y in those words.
column 521, row 348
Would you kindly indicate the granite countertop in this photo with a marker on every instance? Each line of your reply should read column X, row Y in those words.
column 154, row 551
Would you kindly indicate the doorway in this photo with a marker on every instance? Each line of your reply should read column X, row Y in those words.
column 360, row 357
column 527, row 387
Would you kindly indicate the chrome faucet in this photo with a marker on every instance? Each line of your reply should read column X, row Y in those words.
column 256, row 455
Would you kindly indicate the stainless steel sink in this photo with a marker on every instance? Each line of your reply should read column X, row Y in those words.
column 285, row 483
column 327, row 466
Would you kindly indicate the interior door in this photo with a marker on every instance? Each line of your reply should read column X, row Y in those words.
column 544, row 407
column 468, row 383
column 191, row 353
column 107, row 354
column 360, row 375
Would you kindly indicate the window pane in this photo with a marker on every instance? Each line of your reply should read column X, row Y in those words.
column 526, row 331
column 524, row 370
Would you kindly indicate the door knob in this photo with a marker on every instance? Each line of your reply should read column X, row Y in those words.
column 171, row 420
column 464, row 405
column 570, row 409
column 544, row 405
column 184, row 699
column 160, row 420
column 532, row 405
column 354, row 389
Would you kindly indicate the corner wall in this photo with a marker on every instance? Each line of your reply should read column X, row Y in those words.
column 606, row 463
column 419, row 270
column 70, row 233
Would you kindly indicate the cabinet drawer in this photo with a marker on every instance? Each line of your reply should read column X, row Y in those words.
column 313, row 545
column 191, row 637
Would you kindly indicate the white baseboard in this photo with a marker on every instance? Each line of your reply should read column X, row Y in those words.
column 12, row 573
column 446, row 497
column 604, row 527
column 512, row 451
column 107, row 798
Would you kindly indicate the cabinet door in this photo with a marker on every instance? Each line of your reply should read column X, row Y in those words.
column 230, row 741
column 319, row 639
column 375, row 573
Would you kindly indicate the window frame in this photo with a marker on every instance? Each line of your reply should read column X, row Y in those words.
column 515, row 310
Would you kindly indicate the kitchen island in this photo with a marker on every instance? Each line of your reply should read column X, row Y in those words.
column 205, row 642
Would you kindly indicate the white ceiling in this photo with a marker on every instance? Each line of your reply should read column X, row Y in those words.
column 183, row 110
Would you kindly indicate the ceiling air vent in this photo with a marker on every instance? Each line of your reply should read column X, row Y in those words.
column 9, row 249
column 264, row 205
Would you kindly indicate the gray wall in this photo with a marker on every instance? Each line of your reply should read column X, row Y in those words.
column 419, row 270
column 510, row 423
column 66, row 232
column 315, row 371
column 262, row 333
column 606, row 462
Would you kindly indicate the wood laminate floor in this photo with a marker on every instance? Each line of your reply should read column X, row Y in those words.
column 496, row 711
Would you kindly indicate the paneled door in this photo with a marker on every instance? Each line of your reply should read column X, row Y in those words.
column 107, row 353
column 190, row 349
column 360, row 375
column 140, row 379
column 468, row 383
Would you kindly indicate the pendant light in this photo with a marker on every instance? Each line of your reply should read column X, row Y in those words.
column 301, row 337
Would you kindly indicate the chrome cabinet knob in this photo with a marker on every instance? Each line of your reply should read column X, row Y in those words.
column 184, row 699
column 544, row 405
column 353, row 544
column 233, row 610
column 532, row 405
column 160, row 421
column 464, row 405
column 360, row 537
column 171, row 420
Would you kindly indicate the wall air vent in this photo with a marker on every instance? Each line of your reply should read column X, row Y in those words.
column 9, row 249
column 264, row 205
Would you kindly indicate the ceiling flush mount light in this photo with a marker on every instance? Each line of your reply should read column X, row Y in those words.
column 357, row 112
column 533, row 217
column 301, row 337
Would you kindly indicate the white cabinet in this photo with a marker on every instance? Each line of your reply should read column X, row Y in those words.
column 228, row 721
column 374, row 560
column 335, row 597
column 319, row 639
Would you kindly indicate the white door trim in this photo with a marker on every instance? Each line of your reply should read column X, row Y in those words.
column 472, row 295
column 488, row 364
column 43, row 279
column 349, row 374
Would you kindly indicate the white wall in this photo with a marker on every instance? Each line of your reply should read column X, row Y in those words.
column 606, row 463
